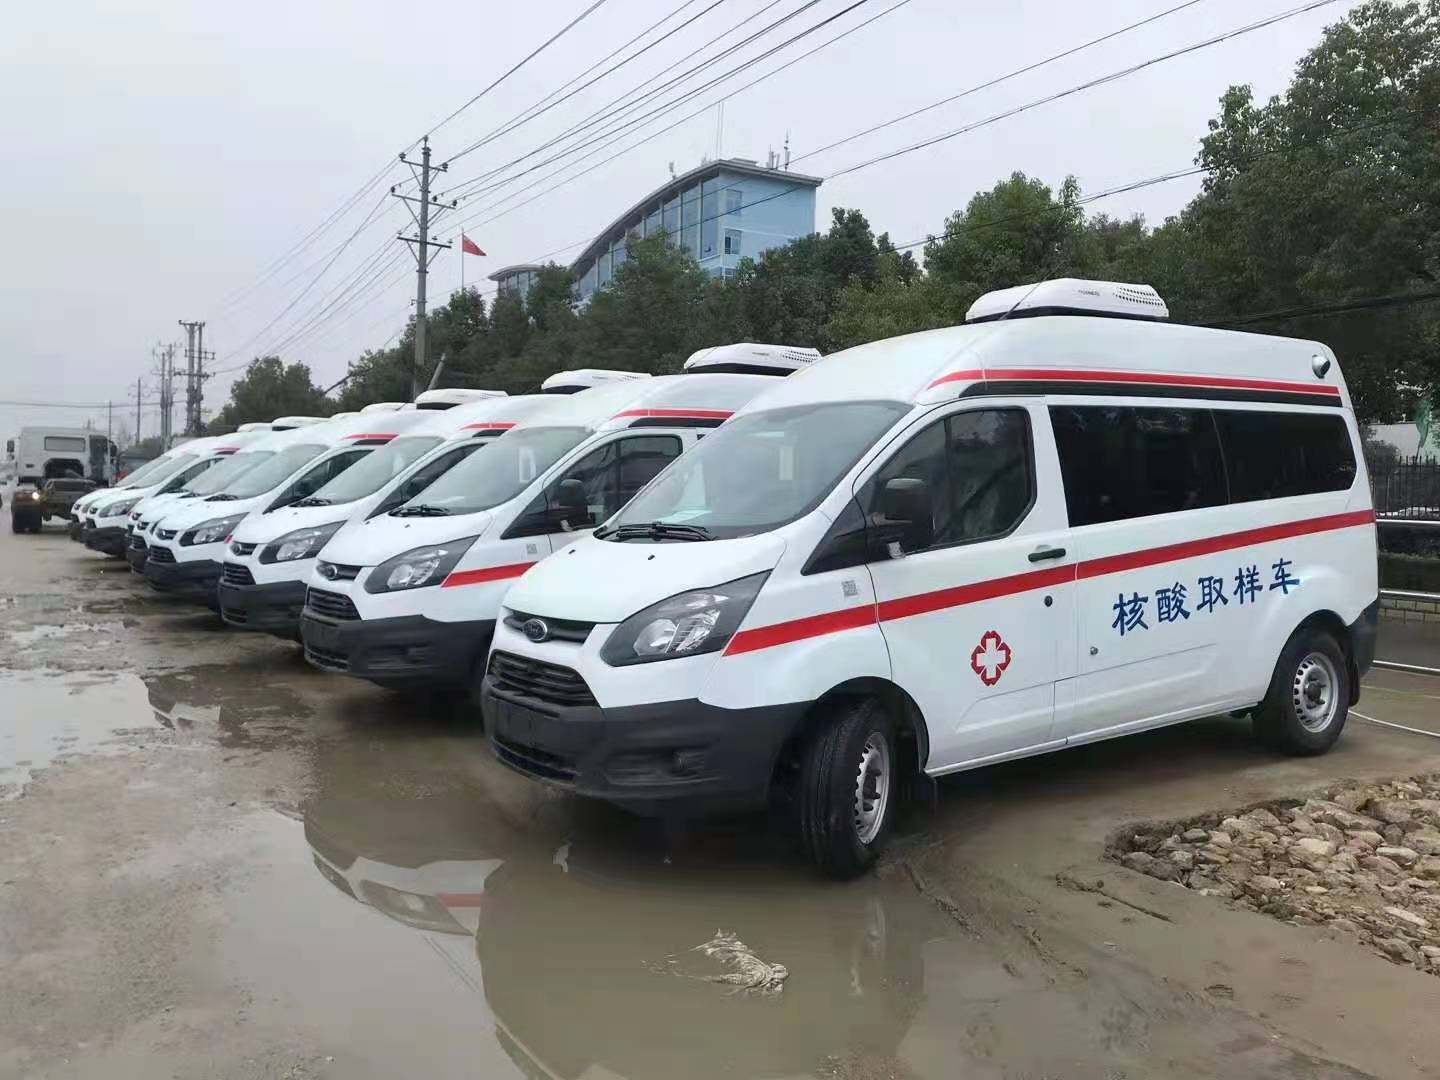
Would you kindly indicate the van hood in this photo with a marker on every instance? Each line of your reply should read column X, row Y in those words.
column 159, row 503
column 369, row 543
column 110, row 497
column 606, row 582
column 194, row 511
column 262, row 528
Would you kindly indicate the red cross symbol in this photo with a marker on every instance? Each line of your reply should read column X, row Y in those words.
column 990, row 658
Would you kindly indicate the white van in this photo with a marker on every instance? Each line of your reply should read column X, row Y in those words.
column 411, row 599
column 262, row 579
column 1063, row 522
column 184, row 547
column 149, row 474
column 207, row 455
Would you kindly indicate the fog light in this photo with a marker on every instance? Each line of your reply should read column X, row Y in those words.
column 688, row 762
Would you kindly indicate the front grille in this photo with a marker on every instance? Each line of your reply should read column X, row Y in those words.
column 528, row 677
column 533, row 761
column 235, row 574
column 331, row 661
column 560, row 629
column 341, row 572
column 331, row 605
column 161, row 555
column 237, row 548
column 238, row 616
column 137, row 542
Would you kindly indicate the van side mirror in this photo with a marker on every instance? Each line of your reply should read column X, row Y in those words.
column 905, row 505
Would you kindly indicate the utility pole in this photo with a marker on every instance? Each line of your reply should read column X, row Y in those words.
column 165, row 369
column 421, row 245
column 139, row 396
column 194, row 368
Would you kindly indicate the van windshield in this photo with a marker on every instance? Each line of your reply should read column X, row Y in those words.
column 375, row 470
column 760, row 471
column 217, row 476
column 269, row 474
column 167, row 468
column 483, row 481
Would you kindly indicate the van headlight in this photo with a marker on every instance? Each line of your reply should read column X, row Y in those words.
column 687, row 624
column 418, row 567
column 300, row 544
column 211, row 532
column 116, row 509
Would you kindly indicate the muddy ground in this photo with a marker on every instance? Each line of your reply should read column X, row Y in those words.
column 215, row 862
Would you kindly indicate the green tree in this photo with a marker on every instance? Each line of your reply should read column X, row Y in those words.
column 270, row 388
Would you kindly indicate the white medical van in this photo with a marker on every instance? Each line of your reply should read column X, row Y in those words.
column 184, row 547
column 1065, row 521
column 411, row 598
column 106, row 517
column 146, row 476
column 262, row 579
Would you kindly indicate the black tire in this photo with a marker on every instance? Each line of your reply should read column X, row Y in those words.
column 827, row 806
column 1308, row 701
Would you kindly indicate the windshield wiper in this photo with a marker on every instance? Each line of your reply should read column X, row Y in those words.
column 222, row 498
column 312, row 500
column 420, row 510
column 657, row 530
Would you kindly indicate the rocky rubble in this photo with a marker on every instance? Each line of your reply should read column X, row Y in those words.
column 1363, row 859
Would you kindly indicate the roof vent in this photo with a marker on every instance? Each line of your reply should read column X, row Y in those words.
column 254, row 425
column 289, row 423
column 434, row 400
column 382, row 406
column 572, row 382
column 748, row 358
column 1070, row 296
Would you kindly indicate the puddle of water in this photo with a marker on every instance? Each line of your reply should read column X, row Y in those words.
column 226, row 704
column 54, row 714
column 103, row 631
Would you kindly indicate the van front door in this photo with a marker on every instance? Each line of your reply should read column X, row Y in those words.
column 979, row 614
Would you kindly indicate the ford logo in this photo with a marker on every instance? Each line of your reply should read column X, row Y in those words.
column 536, row 629
column 328, row 571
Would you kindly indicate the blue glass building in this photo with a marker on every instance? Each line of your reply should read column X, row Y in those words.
column 721, row 212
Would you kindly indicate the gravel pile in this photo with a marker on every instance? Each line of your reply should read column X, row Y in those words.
column 1363, row 859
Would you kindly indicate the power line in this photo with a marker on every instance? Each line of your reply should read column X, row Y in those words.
column 1339, row 307
column 550, row 100
column 516, row 67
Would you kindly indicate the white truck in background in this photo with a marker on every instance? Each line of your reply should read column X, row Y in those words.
column 38, row 454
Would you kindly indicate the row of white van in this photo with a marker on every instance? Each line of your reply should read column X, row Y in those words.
column 1063, row 521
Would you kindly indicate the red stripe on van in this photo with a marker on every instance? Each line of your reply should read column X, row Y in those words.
column 679, row 414
column 764, row 637
column 484, row 574
column 372, row 435
column 506, row 424
column 1138, row 378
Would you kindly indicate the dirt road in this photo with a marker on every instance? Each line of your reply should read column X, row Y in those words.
column 216, row 862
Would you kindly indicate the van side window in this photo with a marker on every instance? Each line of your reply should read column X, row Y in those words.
column 977, row 466
column 616, row 472
column 1122, row 462
column 1272, row 455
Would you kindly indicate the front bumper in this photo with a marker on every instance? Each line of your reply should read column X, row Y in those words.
column 195, row 580
column 272, row 607
column 136, row 552
column 669, row 757
column 396, row 652
column 1363, row 632
column 110, row 539
column 77, row 526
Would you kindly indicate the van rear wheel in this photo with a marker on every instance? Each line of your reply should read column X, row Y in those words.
column 847, row 788
column 1305, row 709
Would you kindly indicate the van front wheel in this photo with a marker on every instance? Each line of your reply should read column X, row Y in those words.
column 847, row 788
column 1305, row 708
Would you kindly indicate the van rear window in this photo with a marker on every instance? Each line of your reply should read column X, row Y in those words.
column 1122, row 462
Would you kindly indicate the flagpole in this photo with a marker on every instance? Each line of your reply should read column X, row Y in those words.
column 462, row 263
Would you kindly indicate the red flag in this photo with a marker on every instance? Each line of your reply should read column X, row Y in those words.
column 468, row 246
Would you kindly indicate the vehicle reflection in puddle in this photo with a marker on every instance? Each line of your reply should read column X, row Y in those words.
column 49, row 715
column 214, row 701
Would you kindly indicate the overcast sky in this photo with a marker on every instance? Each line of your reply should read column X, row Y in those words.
column 159, row 156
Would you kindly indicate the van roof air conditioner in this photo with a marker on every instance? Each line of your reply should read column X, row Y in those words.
column 1070, row 296
column 749, row 358
column 572, row 382
column 255, row 425
column 382, row 406
column 435, row 400
column 289, row 423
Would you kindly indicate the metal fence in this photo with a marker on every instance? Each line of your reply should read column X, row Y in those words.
column 1407, row 488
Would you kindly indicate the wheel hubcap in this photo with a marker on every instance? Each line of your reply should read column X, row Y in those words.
column 872, row 787
column 1313, row 692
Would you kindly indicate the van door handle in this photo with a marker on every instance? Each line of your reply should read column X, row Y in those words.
column 1041, row 554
